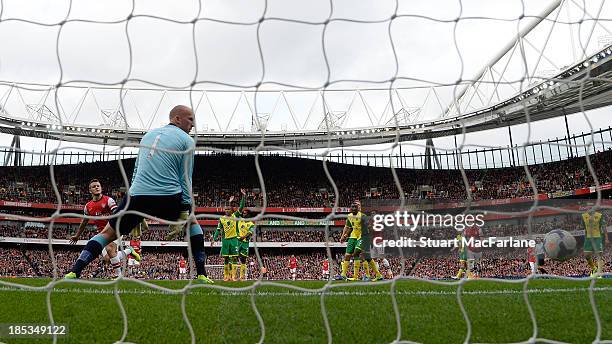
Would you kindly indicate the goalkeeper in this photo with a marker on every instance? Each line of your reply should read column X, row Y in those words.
column 227, row 229
column 161, row 186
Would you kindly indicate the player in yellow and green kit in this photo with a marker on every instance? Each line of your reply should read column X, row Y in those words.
column 463, row 258
column 227, row 229
column 595, row 235
column 352, row 227
column 354, row 245
column 363, row 251
column 246, row 229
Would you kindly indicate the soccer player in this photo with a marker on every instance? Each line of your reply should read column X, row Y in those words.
column 531, row 259
column 246, row 229
column 467, row 254
column 462, row 256
column 182, row 268
column 133, row 263
column 293, row 266
column 595, row 236
column 227, row 229
column 161, row 186
column 326, row 269
column 102, row 205
column 473, row 253
column 540, row 256
column 352, row 228
column 364, row 249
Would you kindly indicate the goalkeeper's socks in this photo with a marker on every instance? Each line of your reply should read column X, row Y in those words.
column 91, row 251
column 366, row 267
column 345, row 266
column 374, row 267
column 242, row 271
column 197, row 248
column 356, row 267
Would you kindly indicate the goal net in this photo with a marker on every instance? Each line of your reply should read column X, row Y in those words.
column 422, row 112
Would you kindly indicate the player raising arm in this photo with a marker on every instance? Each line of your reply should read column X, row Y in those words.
column 227, row 230
column 246, row 229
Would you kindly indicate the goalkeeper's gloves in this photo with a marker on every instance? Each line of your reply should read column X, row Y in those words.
column 178, row 229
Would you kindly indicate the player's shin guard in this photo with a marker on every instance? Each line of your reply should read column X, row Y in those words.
column 123, row 254
column 356, row 267
column 242, row 268
column 242, row 271
column 199, row 256
column 233, row 268
column 226, row 268
column 91, row 251
column 600, row 264
column 470, row 269
column 116, row 264
column 374, row 268
column 345, row 266
column 591, row 263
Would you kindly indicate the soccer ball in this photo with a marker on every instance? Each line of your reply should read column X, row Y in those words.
column 386, row 263
column 560, row 244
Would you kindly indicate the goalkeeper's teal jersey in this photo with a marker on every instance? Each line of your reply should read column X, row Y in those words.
column 159, row 172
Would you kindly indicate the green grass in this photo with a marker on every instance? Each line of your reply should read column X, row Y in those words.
column 357, row 314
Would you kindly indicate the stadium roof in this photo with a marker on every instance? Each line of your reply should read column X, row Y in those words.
column 577, row 88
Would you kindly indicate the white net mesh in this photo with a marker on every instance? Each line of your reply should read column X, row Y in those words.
column 354, row 87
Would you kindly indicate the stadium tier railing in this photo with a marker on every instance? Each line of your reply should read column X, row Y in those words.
column 551, row 150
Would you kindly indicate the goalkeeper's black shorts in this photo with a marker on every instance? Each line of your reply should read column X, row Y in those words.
column 164, row 207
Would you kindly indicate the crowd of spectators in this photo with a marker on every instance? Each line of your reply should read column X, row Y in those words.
column 500, row 228
column 36, row 262
column 14, row 263
column 216, row 178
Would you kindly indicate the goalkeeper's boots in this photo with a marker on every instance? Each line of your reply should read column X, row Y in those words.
column 135, row 254
column 204, row 280
column 71, row 275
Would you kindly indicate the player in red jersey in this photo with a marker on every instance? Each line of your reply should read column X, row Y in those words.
column 133, row 263
column 293, row 266
column 531, row 259
column 102, row 205
column 182, row 268
column 326, row 269
column 473, row 253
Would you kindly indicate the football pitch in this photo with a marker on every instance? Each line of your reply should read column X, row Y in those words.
column 427, row 312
